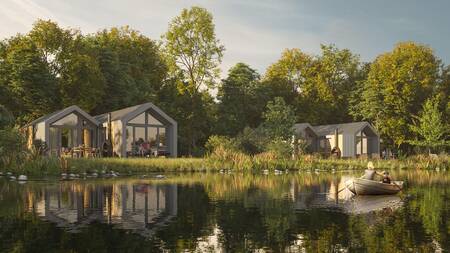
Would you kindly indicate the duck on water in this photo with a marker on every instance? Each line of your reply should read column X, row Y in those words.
column 367, row 185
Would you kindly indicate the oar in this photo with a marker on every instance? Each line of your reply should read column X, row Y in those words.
column 397, row 185
column 345, row 186
column 342, row 189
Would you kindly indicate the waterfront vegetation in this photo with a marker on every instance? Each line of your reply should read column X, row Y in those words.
column 52, row 166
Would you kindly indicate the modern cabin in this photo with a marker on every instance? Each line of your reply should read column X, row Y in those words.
column 144, row 123
column 140, row 130
column 356, row 139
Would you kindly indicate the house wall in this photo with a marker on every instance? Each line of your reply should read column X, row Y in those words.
column 117, row 137
column 374, row 147
column 349, row 145
column 172, row 136
column 331, row 137
column 40, row 131
column 358, row 145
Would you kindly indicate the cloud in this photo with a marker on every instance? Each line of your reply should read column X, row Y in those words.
column 253, row 31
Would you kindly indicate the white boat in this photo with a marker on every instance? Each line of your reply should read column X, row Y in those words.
column 360, row 186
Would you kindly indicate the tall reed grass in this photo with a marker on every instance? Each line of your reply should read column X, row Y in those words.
column 218, row 160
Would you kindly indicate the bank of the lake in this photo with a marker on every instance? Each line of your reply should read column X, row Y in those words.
column 48, row 166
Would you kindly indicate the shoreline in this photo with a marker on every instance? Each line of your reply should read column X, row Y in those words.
column 51, row 166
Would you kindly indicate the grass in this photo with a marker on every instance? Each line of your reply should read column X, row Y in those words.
column 48, row 166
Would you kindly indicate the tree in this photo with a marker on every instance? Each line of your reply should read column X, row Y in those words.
column 430, row 126
column 398, row 83
column 193, row 54
column 237, row 106
column 6, row 118
column 47, row 69
column 30, row 89
column 279, row 120
column 319, row 87
column 70, row 62
column 192, row 48
column 128, row 61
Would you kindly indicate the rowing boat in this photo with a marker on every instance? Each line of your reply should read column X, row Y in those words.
column 360, row 186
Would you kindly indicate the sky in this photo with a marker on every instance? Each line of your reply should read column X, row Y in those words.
column 256, row 31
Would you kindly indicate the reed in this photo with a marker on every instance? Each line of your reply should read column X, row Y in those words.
column 221, row 159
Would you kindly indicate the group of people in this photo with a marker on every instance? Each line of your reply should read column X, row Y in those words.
column 141, row 147
column 370, row 174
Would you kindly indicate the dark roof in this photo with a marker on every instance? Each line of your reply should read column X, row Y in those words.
column 349, row 128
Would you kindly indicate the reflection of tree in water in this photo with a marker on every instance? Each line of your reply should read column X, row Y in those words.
column 193, row 220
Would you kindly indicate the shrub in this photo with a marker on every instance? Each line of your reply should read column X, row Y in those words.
column 251, row 141
column 282, row 149
column 12, row 147
column 216, row 141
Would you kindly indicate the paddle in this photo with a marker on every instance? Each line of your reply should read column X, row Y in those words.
column 397, row 185
column 345, row 186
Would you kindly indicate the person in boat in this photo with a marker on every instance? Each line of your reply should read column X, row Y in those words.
column 386, row 177
column 370, row 173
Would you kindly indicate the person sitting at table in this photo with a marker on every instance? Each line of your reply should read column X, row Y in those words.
column 145, row 147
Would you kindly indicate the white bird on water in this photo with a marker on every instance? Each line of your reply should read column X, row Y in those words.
column 23, row 178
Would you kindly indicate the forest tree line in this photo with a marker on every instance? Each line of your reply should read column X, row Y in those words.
column 403, row 92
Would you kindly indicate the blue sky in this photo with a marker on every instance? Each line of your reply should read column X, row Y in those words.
column 257, row 31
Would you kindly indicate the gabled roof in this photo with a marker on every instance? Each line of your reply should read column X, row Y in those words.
column 42, row 118
column 61, row 113
column 348, row 128
column 300, row 127
column 129, row 113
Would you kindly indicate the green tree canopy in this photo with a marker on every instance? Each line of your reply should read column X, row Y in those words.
column 430, row 127
column 6, row 118
column 397, row 85
column 279, row 119
column 128, row 61
column 319, row 87
column 237, row 106
column 193, row 50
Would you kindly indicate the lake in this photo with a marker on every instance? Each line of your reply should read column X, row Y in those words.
column 225, row 212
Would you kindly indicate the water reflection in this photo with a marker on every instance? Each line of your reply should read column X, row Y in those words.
column 136, row 207
column 225, row 213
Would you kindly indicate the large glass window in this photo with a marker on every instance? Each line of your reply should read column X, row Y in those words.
column 140, row 119
column 69, row 120
column 129, row 138
column 147, row 132
column 139, row 134
column 152, row 136
column 67, row 136
column 152, row 120
column 162, row 137
column 54, row 134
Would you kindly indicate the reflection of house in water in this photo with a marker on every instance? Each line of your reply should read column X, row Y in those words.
column 322, row 194
column 310, row 196
column 138, row 207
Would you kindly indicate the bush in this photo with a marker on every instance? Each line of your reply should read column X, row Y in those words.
column 12, row 147
column 282, row 149
column 251, row 141
column 216, row 141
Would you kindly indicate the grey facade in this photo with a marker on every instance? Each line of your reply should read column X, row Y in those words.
column 72, row 127
column 356, row 139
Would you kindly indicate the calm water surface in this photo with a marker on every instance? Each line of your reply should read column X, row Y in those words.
column 295, row 212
